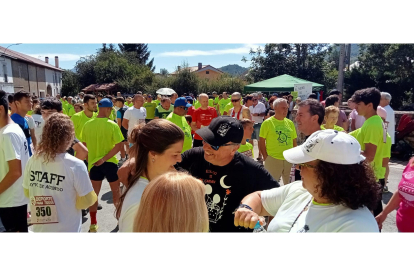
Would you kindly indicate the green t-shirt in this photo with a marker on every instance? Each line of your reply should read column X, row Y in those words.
column 162, row 113
column 372, row 132
column 101, row 135
column 211, row 102
column 79, row 120
column 70, row 109
column 279, row 135
column 338, row 128
column 182, row 123
column 228, row 107
column 113, row 115
column 156, row 101
column 246, row 149
column 216, row 101
column 30, row 112
column 150, row 107
column 222, row 104
column 356, row 135
column 129, row 104
column 385, row 154
column 197, row 104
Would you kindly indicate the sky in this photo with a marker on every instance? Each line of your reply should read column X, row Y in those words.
column 167, row 56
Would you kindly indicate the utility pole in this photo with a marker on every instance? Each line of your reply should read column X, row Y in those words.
column 348, row 56
column 340, row 85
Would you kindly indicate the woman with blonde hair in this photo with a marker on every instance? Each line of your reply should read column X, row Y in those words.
column 173, row 202
column 156, row 149
column 57, row 183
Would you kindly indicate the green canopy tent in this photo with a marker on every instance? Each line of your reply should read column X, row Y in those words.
column 283, row 83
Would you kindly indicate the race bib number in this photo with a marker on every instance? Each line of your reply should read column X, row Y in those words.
column 43, row 210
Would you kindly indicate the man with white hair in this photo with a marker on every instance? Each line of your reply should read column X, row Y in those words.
column 278, row 134
column 385, row 103
column 258, row 111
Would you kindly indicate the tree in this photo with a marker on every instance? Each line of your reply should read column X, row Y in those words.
column 304, row 61
column 389, row 67
column 138, row 53
column 70, row 83
column 185, row 81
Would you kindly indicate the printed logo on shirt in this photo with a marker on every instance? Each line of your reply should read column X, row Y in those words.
column 215, row 203
column 43, row 179
column 409, row 175
column 283, row 135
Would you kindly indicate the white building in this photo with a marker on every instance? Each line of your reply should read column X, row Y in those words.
column 6, row 77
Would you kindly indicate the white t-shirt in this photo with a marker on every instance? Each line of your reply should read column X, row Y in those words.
column 135, row 117
column 38, row 121
column 13, row 145
column 30, row 122
column 131, row 205
column 64, row 179
column 391, row 122
column 359, row 120
column 259, row 108
column 287, row 202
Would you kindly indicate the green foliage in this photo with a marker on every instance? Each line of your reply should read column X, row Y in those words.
column 389, row 67
column 70, row 83
column 138, row 53
column 185, row 82
column 305, row 61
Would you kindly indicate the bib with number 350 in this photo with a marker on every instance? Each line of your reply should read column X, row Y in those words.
column 43, row 210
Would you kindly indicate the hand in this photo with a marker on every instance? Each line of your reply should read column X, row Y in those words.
column 99, row 162
column 245, row 218
column 380, row 219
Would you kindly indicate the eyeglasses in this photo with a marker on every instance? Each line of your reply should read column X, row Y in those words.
column 225, row 145
column 305, row 165
column 255, row 100
column 235, row 101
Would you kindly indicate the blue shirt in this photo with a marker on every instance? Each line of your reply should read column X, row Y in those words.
column 22, row 122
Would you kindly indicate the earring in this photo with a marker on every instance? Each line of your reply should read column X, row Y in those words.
column 153, row 160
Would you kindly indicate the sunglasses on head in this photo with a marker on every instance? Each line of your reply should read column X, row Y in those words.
column 217, row 147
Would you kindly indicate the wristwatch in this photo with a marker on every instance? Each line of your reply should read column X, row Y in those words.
column 244, row 206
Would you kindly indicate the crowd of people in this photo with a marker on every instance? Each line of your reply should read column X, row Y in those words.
column 187, row 163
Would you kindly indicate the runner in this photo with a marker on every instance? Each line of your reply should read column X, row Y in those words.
column 129, row 102
column 202, row 118
column 177, row 117
column 112, row 116
column 13, row 158
column 157, row 149
column 174, row 97
column 164, row 109
column 120, row 116
column 158, row 99
column 245, row 147
column 57, row 184
column 150, row 106
column 80, row 119
column 278, row 134
column 180, row 209
column 258, row 111
column 38, row 121
column 70, row 109
column 227, row 174
column 103, row 138
column 23, row 103
column 239, row 111
column 371, row 134
column 135, row 115
column 335, row 195
column 223, row 102
column 35, row 102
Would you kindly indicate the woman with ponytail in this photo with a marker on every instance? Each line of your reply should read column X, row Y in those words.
column 156, row 149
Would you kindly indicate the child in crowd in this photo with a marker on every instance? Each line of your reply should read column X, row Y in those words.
column 245, row 147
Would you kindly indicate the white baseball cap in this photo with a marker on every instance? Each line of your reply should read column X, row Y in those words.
column 328, row 145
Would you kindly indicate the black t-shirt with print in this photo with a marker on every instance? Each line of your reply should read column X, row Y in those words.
column 226, row 186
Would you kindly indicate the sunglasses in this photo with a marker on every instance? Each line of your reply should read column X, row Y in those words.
column 306, row 166
column 235, row 101
column 217, row 147
column 183, row 107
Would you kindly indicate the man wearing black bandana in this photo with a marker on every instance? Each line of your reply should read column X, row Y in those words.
column 228, row 175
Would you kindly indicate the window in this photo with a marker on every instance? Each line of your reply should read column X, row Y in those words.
column 5, row 72
column 207, row 72
column 20, row 71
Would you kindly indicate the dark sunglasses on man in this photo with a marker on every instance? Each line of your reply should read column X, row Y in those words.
column 217, row 147
column 235, row 101
column 183, row 107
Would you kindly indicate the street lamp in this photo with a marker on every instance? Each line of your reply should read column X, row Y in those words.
column 10, row 46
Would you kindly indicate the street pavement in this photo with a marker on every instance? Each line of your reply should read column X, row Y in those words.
column 108, row 223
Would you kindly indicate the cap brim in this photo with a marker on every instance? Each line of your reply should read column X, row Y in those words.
column 188, row 105
column 207, row 135
column 297, row 156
